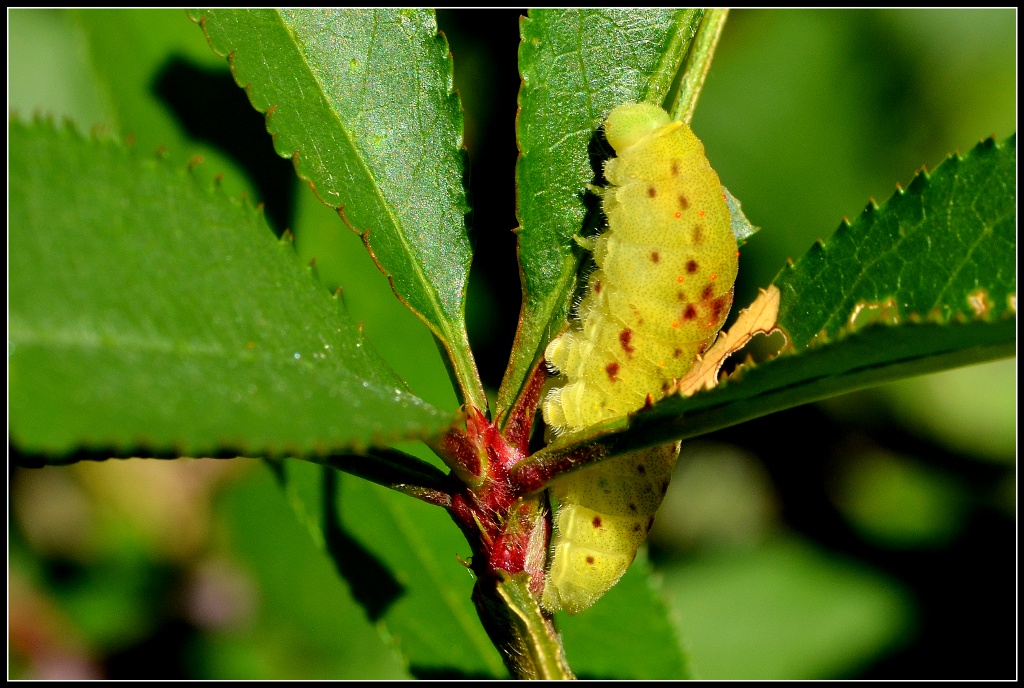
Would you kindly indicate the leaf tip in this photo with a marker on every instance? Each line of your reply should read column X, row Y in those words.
column 920, row 182
column 67, row 124
column 313, row 268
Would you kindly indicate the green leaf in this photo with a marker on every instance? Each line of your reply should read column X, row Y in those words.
column 48, row 69
column 943, row 249
column 130, row 53
column 362, row 101
column 784, row 611
column 965, row 286
column 150, row 313
column 400, row 559
column 969, row 410
column 627, row 634
column 894, row 501
column 395, row 331
column 577, row 65
column 308, row 626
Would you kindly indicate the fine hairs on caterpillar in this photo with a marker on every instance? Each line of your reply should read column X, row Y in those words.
column 660, row 293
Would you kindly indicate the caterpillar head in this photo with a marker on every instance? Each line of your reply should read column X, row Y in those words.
column 631, row 123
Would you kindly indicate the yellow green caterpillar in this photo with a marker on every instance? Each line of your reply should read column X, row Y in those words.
column 661, row 291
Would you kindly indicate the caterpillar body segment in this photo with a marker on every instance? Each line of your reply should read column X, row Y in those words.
column 601, row 522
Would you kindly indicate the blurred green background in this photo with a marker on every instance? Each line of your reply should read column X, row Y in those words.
column 870, row 536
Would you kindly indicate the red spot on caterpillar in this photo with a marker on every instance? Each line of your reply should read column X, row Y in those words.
column 675, row 323
column 597, row 286
column 624, row 338
column 701, row 213
column 651, row 192
column 714, row 277
column 597, row 521
column 690, row 313
column 706, row 294
column 678, row 214
column 691, row 266
column 737, row 254
column 679, row 278
column 612, row 369
column 654, row 257
column 719, row 305
column 683, row 203
column 590, row 560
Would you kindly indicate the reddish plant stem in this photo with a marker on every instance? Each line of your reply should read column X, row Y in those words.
column 520, row 418
column 507, row 533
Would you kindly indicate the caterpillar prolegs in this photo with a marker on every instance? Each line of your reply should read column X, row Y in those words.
column 661, row 290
